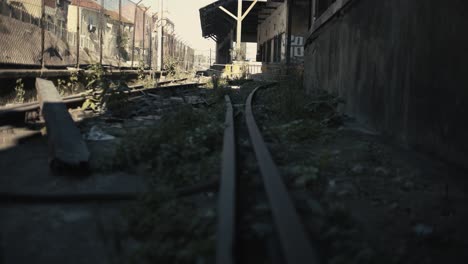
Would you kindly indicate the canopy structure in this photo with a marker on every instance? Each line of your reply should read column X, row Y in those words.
column 217, row 25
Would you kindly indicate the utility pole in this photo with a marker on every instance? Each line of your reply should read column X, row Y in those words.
column 239, row 19
column 160, row 36
column 210, row 57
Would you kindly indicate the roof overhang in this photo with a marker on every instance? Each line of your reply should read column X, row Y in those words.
column 217, row 25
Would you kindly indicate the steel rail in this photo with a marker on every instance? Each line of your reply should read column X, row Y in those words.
column 296, row 247
column 227, row 192
column 15, row 110
column 49, row 73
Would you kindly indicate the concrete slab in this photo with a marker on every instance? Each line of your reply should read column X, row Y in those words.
column 66, row 144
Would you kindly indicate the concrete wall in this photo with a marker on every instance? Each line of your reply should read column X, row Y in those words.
column 402, row 67
column 273, row 25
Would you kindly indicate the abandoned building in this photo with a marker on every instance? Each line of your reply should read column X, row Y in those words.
column 391, row 61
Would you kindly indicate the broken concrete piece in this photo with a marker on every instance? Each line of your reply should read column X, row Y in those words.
column 66, row 145
column 96, row 134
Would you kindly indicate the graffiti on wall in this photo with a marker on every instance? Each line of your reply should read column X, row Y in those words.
column 297, row 48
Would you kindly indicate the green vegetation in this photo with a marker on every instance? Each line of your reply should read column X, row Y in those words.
column 105, row 94
column 68, row 87
column 122, row 42
column 182, row 150
column 143, row 78
column 19, row 91
column 172, row 230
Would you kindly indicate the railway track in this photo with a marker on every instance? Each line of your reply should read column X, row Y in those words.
column 236, row 196
column 18, row 112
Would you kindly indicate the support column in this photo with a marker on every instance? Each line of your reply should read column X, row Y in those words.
column 239, row 30
column 240, row 17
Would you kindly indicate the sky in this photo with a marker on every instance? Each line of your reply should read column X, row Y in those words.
column 186, row 17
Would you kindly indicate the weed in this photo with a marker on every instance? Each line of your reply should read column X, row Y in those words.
column 183, row 149
column 122, row 42
column 104, row 93
column 170, row 236
column 19, row 91
column 172, row 66
column 68, row 87
column 216, row 82
column 141, row 71
column 61, row 87
column 188, row 136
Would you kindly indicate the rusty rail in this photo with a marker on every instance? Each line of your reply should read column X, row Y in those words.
column 13, row 112
column 295, row 245
column 227, row 192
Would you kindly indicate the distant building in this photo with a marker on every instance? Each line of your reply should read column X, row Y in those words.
column 89, row 21
column 33, row 7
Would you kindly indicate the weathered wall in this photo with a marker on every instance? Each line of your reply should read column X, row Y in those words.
column 273, row 25
column 402, row 67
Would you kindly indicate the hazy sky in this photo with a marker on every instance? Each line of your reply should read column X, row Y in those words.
column 186, row 17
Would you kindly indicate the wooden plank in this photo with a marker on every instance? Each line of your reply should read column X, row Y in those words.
column 66, row 146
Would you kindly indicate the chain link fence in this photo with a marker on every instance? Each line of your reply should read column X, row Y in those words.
column 61, row 33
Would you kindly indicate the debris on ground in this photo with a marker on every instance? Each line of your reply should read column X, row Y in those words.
column 96, row 134
column 376, row 197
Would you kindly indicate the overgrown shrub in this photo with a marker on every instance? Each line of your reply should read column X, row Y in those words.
column 182, row 149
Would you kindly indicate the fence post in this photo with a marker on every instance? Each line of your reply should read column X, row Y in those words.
column 42, row 34
column 134, row 31
column 78, row 35
column 119, row 34
column 144, row 29
column 101, row 29
column 150, row 52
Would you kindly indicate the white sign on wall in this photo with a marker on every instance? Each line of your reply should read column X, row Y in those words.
column 297, row 48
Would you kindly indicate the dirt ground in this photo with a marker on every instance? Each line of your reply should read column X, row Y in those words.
column 363, row 198
column 393, row 205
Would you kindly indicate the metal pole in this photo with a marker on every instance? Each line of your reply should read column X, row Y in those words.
column 162, row 47
column 151, row 45
column 160, row 36
column 119, row 36
column 134, row 30
column 42, row 34
column 101, row 25
column 144, row 32
column 78, row 22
